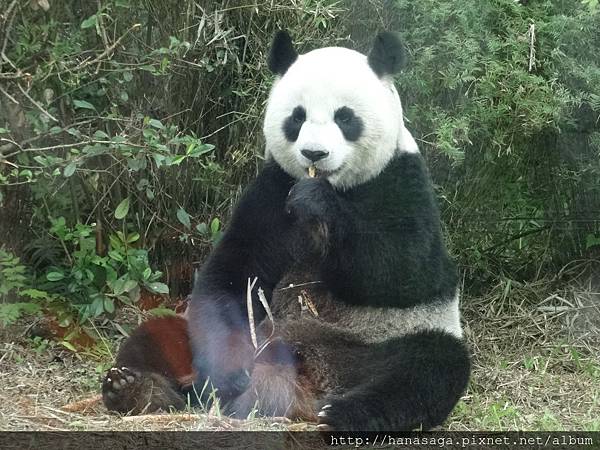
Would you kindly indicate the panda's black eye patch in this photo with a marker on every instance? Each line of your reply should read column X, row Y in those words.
column 348, row 122
column 293, row 123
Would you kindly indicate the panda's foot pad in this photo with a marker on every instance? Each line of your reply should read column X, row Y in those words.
column 121, row 389
column 117, row 380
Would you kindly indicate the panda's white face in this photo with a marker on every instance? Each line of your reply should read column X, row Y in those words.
column 331, row 110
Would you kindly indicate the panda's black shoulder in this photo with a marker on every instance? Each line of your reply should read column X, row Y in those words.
column 403, row 189
column 409, row 170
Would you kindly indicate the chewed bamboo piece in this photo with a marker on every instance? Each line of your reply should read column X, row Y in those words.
column 307, row 303
column 312, row 171
column 251, row 311
column 263, row 300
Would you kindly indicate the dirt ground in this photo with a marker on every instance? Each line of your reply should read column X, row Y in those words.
column 536, row 366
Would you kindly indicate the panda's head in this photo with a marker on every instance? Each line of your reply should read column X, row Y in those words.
column 335, row 109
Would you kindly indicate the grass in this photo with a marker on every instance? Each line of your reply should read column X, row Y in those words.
column 532, row 370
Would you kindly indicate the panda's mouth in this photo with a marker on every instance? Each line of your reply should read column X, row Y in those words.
column 314, row 172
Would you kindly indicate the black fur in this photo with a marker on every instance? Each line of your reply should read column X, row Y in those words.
column 349, row 123
column 293, row 123
column 378, row 244
column 385, row 230
column 282, row 54
column 389, row 231
column 387, row 56
column 401, row 384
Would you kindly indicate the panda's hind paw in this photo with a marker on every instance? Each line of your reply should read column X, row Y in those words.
column 119, row 388
column 117, row 379
column 126, row 390
column 347, row 414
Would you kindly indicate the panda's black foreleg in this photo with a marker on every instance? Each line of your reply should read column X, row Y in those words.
column 412, row 382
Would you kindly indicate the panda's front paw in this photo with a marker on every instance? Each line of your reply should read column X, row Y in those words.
column 311, row 200
column 313, row 205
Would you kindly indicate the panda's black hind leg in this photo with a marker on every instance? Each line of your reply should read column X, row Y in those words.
column 409, row 383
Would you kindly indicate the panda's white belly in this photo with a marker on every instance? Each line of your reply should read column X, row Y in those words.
column 370, row 324
column 373, row 324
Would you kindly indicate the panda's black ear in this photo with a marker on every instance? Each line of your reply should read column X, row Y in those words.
column 282, row 54
column 387, row 55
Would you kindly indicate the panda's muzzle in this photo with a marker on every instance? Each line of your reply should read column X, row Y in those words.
column 314, row 155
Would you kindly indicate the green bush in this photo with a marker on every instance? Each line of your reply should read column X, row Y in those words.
column 13, row 288
column 503, row 99
column 93, row 282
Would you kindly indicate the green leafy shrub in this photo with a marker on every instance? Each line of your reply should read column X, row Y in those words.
column 13, row 287
column 93, row 282
column 12, row 273
column 503, row 101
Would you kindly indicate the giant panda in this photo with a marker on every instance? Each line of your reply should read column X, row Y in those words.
column 341, row 231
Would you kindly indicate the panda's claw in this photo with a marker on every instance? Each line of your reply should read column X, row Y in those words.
column 324, row 418
column 324, row 427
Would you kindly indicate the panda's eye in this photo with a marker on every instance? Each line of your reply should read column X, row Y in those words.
column 299, row 115
column 343, row 115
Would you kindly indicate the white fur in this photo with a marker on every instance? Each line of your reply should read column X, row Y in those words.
column 387, row 323
column 322, row 81
column 378, row 324
column 369, row 323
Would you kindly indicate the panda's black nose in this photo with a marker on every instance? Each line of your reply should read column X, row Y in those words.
column 314, row 155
